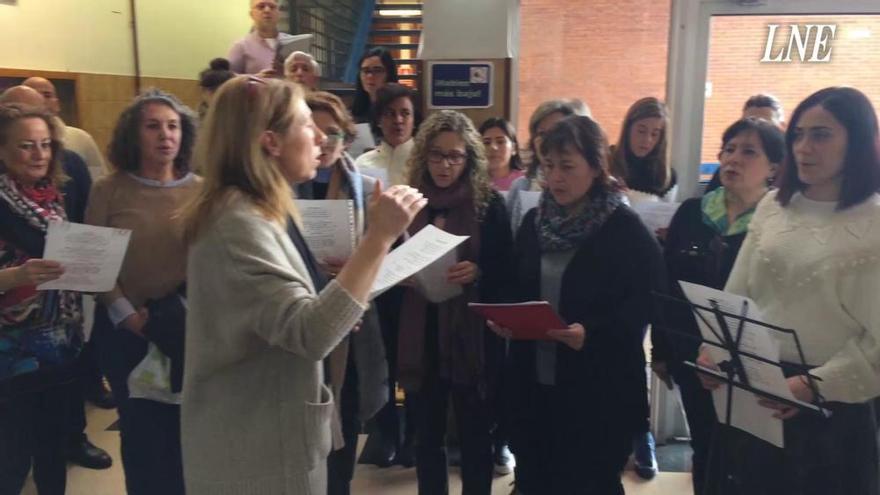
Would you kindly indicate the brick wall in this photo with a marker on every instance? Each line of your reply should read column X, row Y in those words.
column 736, row 72
column 609, row 53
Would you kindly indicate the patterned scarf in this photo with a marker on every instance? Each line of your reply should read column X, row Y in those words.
column 714, row 209
column 561, row 230
column 38, row 327
column 459, row 331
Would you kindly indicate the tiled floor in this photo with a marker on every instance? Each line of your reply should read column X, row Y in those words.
column 369, row 480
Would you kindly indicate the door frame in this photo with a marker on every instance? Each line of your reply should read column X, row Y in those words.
column 687, row 65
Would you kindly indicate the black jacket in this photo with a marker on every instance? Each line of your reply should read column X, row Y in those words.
column 607, row 287
column 694, row 253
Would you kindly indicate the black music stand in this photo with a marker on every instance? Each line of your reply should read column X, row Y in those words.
column 734, row 373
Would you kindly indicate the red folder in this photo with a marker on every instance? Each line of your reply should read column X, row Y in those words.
column 526, row 321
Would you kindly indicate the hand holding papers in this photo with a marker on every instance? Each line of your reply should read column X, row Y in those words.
column 427, row 246
column 91, row 256
column 328, row 227
column 526, row 321
column 745, row 350
column 432, row 280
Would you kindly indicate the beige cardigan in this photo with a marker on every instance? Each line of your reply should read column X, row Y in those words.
column 256, row 415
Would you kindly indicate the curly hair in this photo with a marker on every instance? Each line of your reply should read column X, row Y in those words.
column 477, row 167
column 124, row 150
column 10, row 113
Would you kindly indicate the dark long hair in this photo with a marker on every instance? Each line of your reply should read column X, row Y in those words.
column 124, row 150
column 361, row 106
column 507, row 128
column 861, row 165
column 661, row 174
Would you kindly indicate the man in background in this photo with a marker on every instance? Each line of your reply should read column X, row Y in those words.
column 256, row 52
column 74, row 138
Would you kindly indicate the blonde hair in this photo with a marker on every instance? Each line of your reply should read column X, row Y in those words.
column 10, row 113
column 477, row 165
column 231, row 157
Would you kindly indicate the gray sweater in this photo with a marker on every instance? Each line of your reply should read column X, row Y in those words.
column 256, row 415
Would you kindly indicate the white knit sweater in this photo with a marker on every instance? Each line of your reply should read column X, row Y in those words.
column 817, row 271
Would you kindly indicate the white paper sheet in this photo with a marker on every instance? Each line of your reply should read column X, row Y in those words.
column 432, row 279
column 528, row 200
column 379, row 174
column 422, row 249
column 91, row 256
column 328, row 227
column 655, row 214
column 746, row 415
column 363, row 141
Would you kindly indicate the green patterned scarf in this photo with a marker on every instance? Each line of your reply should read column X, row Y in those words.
column 715, row 214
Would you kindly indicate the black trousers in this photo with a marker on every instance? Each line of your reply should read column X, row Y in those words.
column 472, row 417
column 558, row 454
column 700, row 412
column 341, row 463
column 149, row 430
column 87, row 372
column 34, row 411
column 821, row 456
column 387, row 420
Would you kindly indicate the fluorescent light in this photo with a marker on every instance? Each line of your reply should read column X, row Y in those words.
column 858, row 33
column 400, row 13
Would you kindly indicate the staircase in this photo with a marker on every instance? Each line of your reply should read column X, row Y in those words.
column 398, row 27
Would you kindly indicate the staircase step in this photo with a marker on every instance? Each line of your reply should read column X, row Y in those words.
column 398, row 6
column 395, row 46
column 396, row 32
column 396, row 19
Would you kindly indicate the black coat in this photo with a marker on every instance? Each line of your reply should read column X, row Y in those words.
column 607, row 287
column 694, row 253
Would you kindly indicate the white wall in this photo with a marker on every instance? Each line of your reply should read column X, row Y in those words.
column 176, row 38
column 468, row 29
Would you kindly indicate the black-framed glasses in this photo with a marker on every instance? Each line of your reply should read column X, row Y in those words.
column 453, row 158
column 376, row 71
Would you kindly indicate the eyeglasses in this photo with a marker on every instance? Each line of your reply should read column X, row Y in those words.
column 376, row 71
column 331, row 140
column 454, row 158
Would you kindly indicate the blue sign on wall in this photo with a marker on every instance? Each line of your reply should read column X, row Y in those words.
column 460, row 84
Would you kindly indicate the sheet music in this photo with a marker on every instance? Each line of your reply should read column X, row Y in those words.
column 363, row 141
column 747, row 414
column 529, row 200
column 422, row 249
column 91, row 256
column 655, row 214
column 380, row 174
column 328, row 227
column 432, row 279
